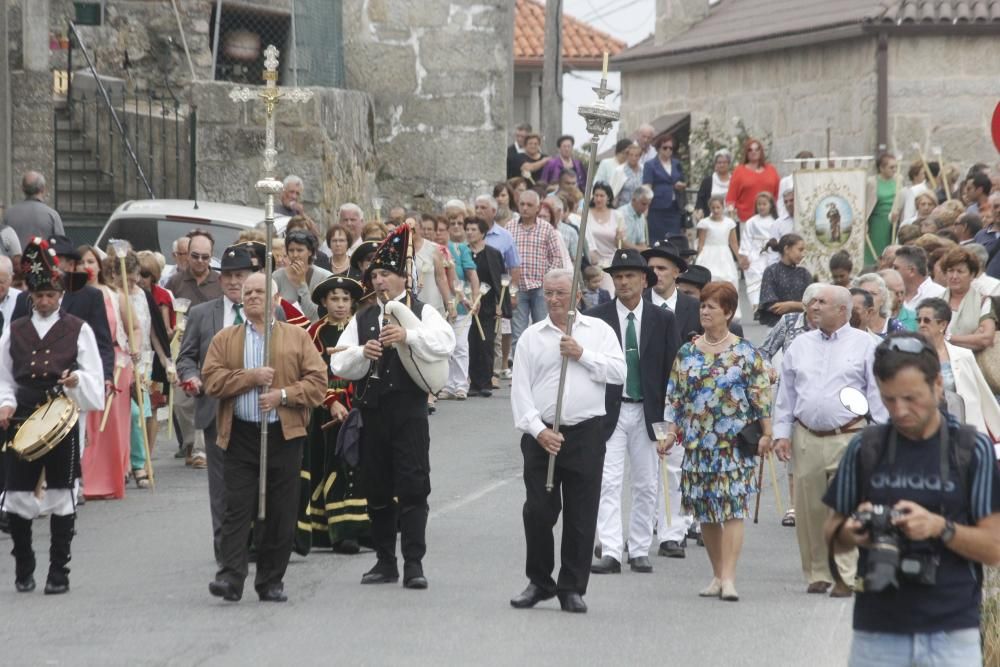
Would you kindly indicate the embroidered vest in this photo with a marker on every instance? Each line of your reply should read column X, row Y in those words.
column 395, row 385
column 38, row 363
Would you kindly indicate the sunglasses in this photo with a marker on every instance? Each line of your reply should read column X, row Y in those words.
column 197, row 256
column 906, row 345
column 146, row 274
column 927, row 320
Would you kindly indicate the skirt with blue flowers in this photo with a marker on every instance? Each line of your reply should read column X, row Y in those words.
column 716, row 484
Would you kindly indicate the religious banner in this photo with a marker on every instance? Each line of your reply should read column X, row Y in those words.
column 830, row 211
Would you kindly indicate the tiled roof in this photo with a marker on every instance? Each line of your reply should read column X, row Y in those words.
column 768, row 24
column 583, row 45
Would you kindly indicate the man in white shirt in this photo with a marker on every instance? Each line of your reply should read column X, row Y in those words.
column 645, row 138
column 595, row 360
column 352, row 217
column 8, row 294
column 911, row 263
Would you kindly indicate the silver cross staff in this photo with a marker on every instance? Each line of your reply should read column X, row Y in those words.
column 269, row 186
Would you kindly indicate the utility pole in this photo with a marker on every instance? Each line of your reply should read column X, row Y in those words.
column 6, row 179
column 552, row 99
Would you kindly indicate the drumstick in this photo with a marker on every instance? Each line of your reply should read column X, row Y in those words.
column 107, row 402
column 666, row 491
column 774, row 483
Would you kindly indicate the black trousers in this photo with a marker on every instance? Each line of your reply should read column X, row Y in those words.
column 273, row 539
column 216, row 457
column 576, row 492
column 481, row 352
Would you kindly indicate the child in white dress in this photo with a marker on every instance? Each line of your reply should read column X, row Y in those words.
column 717, row 244
column 754, row 255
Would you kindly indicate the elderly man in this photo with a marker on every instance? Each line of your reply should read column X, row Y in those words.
column 10, row 245
column 31, row 217
column 636, row 227
column 595, row 361
column 862, row 312
column 353, row 218
column 644, row 136
column 8, row 294
column 897, row 290
column 48, row 351
column 786, row 222
column 881, row 321
column 251, row 389
column 179, row 250
column 911, row 263
column 538, row 246
column 291, row 197
column 809, row 418
column 989, row 235
column 199, row 283
column 395, row 441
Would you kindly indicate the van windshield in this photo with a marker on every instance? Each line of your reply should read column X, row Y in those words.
column 157, row 234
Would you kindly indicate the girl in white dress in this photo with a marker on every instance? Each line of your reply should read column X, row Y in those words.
column 754, row 255
column 717, row 244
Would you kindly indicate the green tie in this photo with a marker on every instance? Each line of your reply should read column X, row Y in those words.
column 633, row 381
column 664, row 306
column 238, row 309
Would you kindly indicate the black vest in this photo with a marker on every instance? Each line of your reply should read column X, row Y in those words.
column 395, row 385
column 39, row 363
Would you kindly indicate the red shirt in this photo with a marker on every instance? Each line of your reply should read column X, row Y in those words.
column 746, row 184
column 162, row 298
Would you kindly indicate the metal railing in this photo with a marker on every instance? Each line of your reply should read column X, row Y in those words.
column 114, row 143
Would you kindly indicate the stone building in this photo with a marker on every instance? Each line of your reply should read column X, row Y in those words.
column 880, row 74
column 411, row 98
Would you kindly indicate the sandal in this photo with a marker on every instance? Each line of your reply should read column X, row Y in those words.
column 788, row 520
column 141, row 478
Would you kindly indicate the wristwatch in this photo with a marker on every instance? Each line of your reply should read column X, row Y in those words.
column 948, row 534
column 284, row 398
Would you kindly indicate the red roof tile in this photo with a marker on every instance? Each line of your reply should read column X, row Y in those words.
column 583, row 45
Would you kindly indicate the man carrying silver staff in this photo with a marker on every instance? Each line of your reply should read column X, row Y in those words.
column 396, row 363
column 596, row 360
column 41, row 356
column 283, row 390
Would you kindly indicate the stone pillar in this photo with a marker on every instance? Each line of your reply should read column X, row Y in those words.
column 535, row 102
column 35, row 35
column 6, row 178
column 675, row 17
column 438, row 72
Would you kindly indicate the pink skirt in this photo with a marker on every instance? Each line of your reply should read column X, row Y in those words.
column 106, row 456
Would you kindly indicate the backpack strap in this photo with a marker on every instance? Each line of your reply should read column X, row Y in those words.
column 874, row 440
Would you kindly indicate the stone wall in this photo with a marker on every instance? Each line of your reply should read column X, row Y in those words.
column 942, row 92
column 793, row 95
column 32, row 139
column 438, row 73
column 328, row 141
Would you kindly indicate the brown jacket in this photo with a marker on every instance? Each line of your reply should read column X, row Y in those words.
column 298, row 369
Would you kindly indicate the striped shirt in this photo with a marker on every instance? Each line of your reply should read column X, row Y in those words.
column 539, row 250
column 247, row 406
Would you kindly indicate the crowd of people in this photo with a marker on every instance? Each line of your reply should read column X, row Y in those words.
column 659, row 371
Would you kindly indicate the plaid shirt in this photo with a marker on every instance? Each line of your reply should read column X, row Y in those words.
column 538, row 248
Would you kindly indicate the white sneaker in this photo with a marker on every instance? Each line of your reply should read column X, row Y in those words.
column 461, row 396
column 506, row 374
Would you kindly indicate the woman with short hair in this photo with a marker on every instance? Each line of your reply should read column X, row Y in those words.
column 665, row 176
column 562, row 161
column 716, row 183
column 971, row 324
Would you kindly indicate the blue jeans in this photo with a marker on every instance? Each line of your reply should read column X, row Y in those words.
column 958, row 648
column 531, row 308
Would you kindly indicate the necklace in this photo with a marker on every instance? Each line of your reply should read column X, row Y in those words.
column 343, row 267
column 717, row 342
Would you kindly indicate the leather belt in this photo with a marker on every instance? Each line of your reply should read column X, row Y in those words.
column 846, row 428
column 626, row 399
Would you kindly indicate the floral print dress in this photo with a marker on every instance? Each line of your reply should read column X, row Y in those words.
column 711, row 397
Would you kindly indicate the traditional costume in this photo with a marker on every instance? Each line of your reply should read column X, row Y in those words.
column 37, row 352
column 395, row 438
column 333, row 512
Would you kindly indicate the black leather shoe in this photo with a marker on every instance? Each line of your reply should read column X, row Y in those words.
column 606, row 565
column 673, row 549
column 25, row 586
column 530, row 596
column 4, row 523
column 413, row 576
column 349, row 547
column 53, row 587
column 225, row 590
column 272, row 593
column 485, row 393
column 573, row 603
column 640, row 564
column 382, row 573
column 597, row 552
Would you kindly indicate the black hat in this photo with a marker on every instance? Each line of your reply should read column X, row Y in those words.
column 696, row 275
column 40, row 266
column 666, row 250
column 629, row 259
column 352, row 286
column 390, row 254
column 237, row 258
column 63, row 246
column 680, row 241
column 361, row 253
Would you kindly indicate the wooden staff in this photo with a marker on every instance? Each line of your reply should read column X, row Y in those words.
column 926, row 167
column 180, row 307
column 121, row 250
column 774, row 483
column 111, row 398
column 760, row 490
column 944, row 174
column 483, row 290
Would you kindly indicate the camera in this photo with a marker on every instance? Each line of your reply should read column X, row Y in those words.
column 892, row 557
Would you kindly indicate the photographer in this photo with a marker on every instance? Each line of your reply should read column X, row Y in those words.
column 923, row 542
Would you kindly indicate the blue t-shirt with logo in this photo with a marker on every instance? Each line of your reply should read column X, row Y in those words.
column 953, row 602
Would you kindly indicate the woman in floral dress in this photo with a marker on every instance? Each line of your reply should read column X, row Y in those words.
column 718, row 385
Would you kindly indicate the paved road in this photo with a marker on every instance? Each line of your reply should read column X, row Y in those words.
column 141, row 568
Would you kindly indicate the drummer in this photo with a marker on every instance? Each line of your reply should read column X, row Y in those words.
column 50, row 352
column 395, row 440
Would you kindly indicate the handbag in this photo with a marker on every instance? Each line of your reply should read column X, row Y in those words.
column 748, row 439
column 989, row 359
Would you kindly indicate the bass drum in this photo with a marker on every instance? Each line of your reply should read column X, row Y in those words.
column 45, row 428
column 430, row 375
